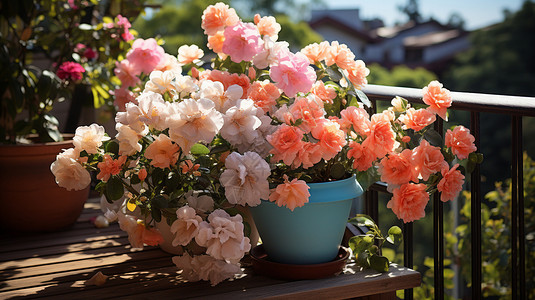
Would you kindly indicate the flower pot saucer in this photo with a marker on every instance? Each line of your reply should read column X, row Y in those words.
column 264, row 266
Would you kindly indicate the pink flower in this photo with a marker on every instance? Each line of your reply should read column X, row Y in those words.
column 358, row 118
column 381, row 137
column 451, row 183
column 331, row 138
column 163, row 153
column 293, row 73
column 186, row 226
column 216, row 17
column 417, row 119
column 460, row 141
column 363, row 157
column 110, row 166
column 70, row 70
column 398, row 169
column 127, row 72
column 409, row 201
column 145, row 55
column 125, row 24
column 291, row 194
column 286, row 142
column 123, row 96
column 242, row 42
column 428, row 159
column 264, row 94
column 188, row 54
column 438, row 99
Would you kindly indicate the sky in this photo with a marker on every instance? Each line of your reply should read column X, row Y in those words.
column 476, row 13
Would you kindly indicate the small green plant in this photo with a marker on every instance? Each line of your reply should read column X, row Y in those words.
column 367, row 247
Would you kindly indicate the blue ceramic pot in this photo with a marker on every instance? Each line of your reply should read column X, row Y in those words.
column 311, row 234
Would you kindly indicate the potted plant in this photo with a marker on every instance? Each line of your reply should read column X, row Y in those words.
column 50, row 51
column 263, row 127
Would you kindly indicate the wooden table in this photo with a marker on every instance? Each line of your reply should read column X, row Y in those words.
column 57, row 265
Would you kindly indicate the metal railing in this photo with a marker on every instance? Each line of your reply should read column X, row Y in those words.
column 516, row 107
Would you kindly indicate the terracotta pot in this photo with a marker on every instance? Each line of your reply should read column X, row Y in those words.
column 30, row 199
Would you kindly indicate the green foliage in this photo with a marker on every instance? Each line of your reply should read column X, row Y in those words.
column 500, row 59
column 367, row 247
column 299, row 34
column 400, row 76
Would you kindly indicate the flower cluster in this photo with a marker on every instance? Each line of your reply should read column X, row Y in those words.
column 261, row 124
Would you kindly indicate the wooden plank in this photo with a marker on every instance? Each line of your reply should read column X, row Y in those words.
column 109, row 258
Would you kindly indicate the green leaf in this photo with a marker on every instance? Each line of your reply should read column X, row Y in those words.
column 112, row 147
column 334, row 74
column 199, row 149
column 156, row 214
column 362, row 97
column 114, row 188
column 433, row 137
column 172, row 181
column 338, row 171
column 158, row 176
column 362, row 260
column 360, row 243
column 395, row 235
column 379, row 263
column 159, row 202
column 134, row 179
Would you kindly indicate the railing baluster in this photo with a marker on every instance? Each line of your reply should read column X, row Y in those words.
column 408, row 253
column 438, row 234
column 517, row 212
column 476, row 213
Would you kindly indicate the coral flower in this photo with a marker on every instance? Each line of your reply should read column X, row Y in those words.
column 309, row 110
column 363, row 157
column 316, row 52
column 451, row 183
column 358, row 118
column 428, row 159
column 163, row 153
column 287, row 142
column 331, row 138
column 267, row 26
column 264, row 94
column 216, row 17
column 417, row 119
column 381, row 139
column 409, row 201
column 397, row 169
column 215, row 42
column 325, row 93
column 293, row 73
column 291, row 194
column 228, row 79
column 356, row 72
column 438, row 99
column 142, row 174
column 340, row 55
column 460, row 141
column 307, row 156
column 110, row 166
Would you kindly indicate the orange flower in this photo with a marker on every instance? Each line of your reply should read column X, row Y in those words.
column 428, row 159
column 307, row 156
column 340, row 55
column 163, row 153
column 110, row 166
column 228, row 79
column 142, row 174
column 357, row 72
column 310, row 110
column 291, row 194
column 150, row 236
column 438, row 99
column 417, row 119
column 325, row 93
column 267, row 26
column 216, row 17
column 286, row 142
column 409, row 201
column 460, row 141
column 451, row 183
column 398, row 169
column 331, row 138
column 357, row 117
column 363, row 156
column 187, row 166
column 264, row 94
column 381, row 138
column 215, row 42
column 316, row 52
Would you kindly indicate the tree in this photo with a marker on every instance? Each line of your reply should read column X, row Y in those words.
column 412, row 10
column 400, row 76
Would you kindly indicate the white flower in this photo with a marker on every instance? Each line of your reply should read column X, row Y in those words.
column 260, row 144
column 69, row 173
column 154, row 110
column 222, row 99
column 89, row 138
column 205, row 267
column 201, row 204
column 241, row 123
column 268, row 56
column 169, row 63
column 193, row 121
column 160, row 82
column 189, row 53
column 223, row 236
column 186, row 226
column 131, row 117
column 128, row 139
column 185, row 85
column 245, row 178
